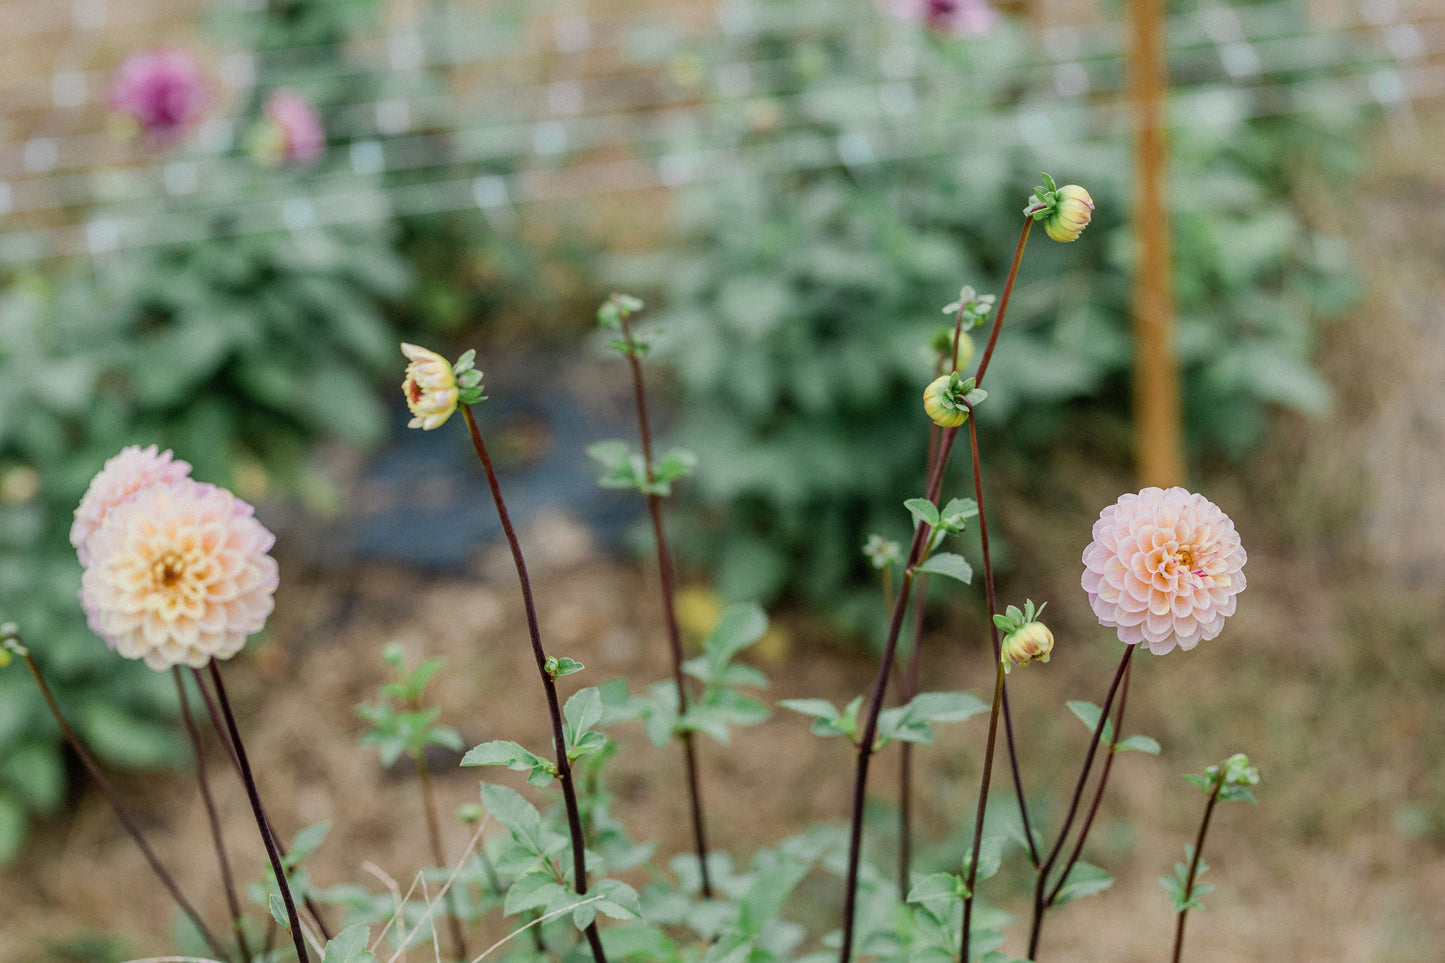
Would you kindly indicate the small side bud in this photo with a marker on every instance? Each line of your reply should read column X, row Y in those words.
column 949, row 398
column 1065, row 211
column 1026, row 639
column 882, row 552
column 10, row 644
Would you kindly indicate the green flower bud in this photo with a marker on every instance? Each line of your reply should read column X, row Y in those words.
column 948, row 399
column 1031, row 642
column 1065, row 211
column 1026, row 639
column 1075, row 210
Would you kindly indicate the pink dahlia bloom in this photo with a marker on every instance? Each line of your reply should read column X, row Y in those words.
column 179, row 575
column 121, row 477
column 954, row 18
column 302, row 135
column 161, row 90
column 1164, row 568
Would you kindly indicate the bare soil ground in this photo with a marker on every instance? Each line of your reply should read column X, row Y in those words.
column 1331, row 676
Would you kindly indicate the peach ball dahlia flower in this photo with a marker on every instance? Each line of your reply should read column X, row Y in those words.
column 179, row 575
column 120, row 478
column 1164, row 568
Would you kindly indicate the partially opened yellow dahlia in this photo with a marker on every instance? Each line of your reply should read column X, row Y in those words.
column 178, row 574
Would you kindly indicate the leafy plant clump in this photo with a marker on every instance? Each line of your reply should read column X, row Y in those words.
column 848, row 168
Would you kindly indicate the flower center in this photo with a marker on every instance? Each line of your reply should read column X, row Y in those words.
column 169, row 570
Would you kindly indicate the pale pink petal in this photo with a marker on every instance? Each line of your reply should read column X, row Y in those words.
column 1164, row 568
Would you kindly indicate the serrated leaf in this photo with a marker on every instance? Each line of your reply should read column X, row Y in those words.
column 1088, row 714
column 512, row 810
column 948, row 565
column 677, row 463
column 936, row 887
column 582, row 711
column 739, row 626
column 501, row 752
column 349, row 946
column 618, row 900
column 818, row 708
column 534, row 891
column 1084, row 879
column 924, row 512
column 565, row 666
column 306, row 842
column 1139, row 744
column 947, row 706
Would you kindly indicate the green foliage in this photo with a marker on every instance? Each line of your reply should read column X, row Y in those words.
column 400, row 724
column 871, row 169
column 239, row 349
column 722, row 702
column 349, row 946
column 1182, row 895
column 624, row 468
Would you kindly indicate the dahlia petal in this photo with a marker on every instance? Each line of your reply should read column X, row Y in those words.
column 1164, row 568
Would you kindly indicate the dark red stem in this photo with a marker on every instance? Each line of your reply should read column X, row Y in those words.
column 666, row 578
column 247, row 777
column 554, row 709
column 1040, row 904
column 121, row 813
column 228, row 882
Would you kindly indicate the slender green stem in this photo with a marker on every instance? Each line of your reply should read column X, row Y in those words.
column 1108, row 765
column 121, row 813
column 554, row 709
column 1194, row 863
column 666, row 579
column 438, row 851
column 294, row 921
column 219, row 723
column 1041, row 904
column 228, row 881
column 980, row 810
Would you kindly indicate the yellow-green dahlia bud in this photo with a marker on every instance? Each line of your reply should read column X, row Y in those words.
column 942, row 406
column 1074, row 211
column 949, row 398
column 1025, row 638
column 430, row 388
column 1031, row 642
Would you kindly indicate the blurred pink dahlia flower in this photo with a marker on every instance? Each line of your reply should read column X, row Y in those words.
column 121, row 477
column 954, row 18
column 300, row 136
column 160, row 90
column 1164, row 568
column 179, row 575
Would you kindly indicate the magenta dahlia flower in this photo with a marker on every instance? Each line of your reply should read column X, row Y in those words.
column 121, row 477
column 954, row 18
column 178, row 575
column 160, row 90
column 302, row 136
column 1164, row 568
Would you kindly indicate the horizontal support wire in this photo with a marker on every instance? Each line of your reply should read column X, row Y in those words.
column 641, row 118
